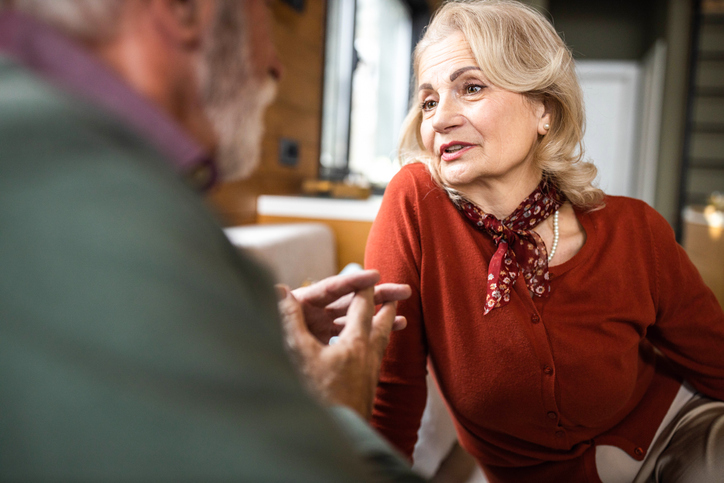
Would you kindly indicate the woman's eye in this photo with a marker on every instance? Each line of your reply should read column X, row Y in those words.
column 473, row 89
column 428, row 105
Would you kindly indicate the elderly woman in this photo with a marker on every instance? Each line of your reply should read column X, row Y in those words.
column 570, row 335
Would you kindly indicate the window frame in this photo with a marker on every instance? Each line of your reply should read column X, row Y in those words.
column 337, row 85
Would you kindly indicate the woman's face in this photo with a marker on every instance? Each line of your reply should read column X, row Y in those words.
column 476, row 131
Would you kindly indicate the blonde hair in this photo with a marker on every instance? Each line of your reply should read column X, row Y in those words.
column 518, row 50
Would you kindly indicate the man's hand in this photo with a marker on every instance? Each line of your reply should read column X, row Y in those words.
column 325, row 303
column 347, row 372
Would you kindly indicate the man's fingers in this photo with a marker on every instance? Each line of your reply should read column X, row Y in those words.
column 330, row 289
column 339, row 307
column 382, row 325
column 296, row 333
column 282, row 291
column 384, row 292
column 359, row 315
column 399, row 323
column 391, row 292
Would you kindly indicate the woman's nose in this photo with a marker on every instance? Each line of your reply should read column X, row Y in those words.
column 447, row 115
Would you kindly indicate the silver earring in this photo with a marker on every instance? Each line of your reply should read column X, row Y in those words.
column 546, row 126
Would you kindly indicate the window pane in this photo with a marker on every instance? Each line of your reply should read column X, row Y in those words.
column 338, row 67
column 380, row 87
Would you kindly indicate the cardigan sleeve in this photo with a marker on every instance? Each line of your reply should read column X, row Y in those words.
column 394, row 248
column 689, row 328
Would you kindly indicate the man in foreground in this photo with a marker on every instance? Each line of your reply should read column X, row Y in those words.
column 135, row 343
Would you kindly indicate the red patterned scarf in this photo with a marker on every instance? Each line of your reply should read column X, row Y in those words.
column 519, row 248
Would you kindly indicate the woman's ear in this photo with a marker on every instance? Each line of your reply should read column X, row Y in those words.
column 543, row 113
column 182, row 21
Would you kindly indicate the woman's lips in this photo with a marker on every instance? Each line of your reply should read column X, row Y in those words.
column 458, row 149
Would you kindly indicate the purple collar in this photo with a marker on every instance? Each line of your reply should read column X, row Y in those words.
column 68, row 66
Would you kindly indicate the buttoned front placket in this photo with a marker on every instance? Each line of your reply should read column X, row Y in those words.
column 550, row 413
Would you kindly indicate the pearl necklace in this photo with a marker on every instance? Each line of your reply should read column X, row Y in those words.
column 555, row 236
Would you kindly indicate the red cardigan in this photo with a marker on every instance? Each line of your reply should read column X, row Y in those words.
column 534, row 385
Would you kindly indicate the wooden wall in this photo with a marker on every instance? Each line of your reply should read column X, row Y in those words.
column 296, row 114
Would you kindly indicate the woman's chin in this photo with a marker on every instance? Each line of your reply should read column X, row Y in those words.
column 456, row 176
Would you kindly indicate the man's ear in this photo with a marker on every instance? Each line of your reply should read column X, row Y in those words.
column 182, row 21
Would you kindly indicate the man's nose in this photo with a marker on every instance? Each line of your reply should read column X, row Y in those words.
column 275, row 67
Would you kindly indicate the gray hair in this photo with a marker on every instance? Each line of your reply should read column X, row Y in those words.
column 84, row 19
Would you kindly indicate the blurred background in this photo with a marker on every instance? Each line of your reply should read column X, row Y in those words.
column 653, row 78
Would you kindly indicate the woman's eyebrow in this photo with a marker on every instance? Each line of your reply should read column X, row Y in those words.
column 458, row 72
column 453, row 76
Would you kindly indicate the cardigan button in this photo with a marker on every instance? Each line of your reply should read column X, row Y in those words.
column 548, row 370
column 535, row 319
column 552, row 415
column 560, row 434
column 639, row 451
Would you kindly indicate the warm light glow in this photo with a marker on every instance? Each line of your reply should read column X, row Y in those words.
column 715, row 220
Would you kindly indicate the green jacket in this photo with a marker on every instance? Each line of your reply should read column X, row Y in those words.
column 136, row 343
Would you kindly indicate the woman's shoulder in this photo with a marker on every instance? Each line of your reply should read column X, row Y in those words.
column 413, row 172
column 413, row 181
column 411, row 196
column 631, row 214
column 619, row 206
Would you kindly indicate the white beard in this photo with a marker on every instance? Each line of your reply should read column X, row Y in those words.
column 234, row 97
column 239, row 124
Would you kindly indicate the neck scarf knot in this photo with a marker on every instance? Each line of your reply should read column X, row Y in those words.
column 520, row 249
